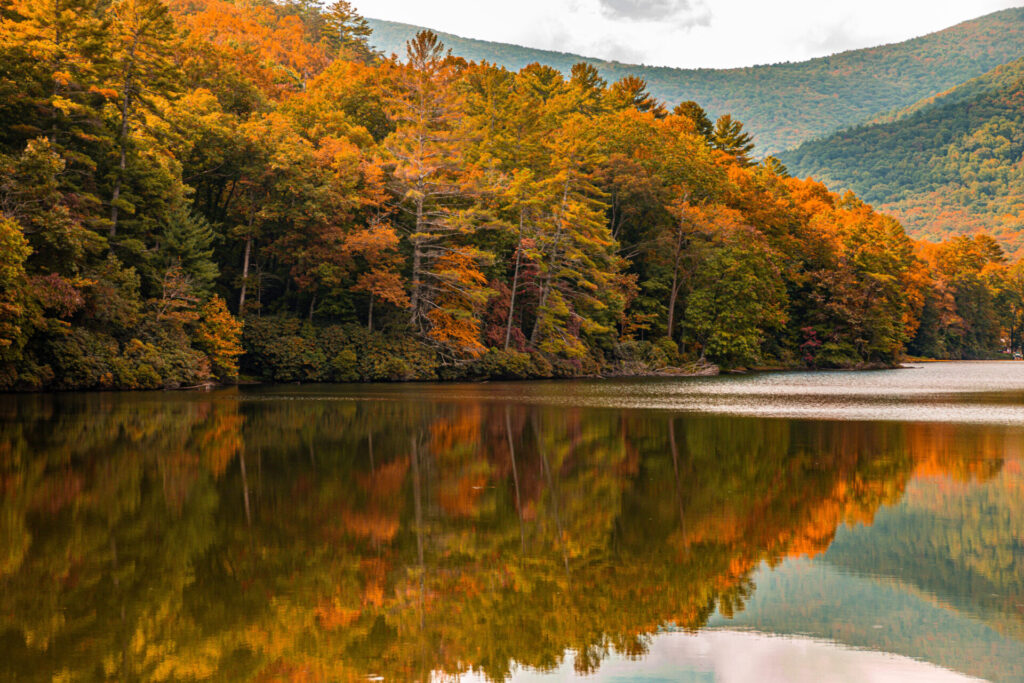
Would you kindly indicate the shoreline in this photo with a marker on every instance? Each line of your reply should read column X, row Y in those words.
column 705, row 370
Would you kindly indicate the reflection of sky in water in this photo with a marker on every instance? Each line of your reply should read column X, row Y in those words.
column 729, row 656
column 804, row 597
column 815, row 598
column 966, row 392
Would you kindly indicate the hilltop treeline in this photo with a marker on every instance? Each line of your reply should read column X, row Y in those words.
column 787, row 104
column 179, row 182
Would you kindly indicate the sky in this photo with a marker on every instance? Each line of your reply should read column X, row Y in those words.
column 687, row 33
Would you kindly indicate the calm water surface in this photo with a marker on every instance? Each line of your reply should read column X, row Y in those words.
column 790, row 527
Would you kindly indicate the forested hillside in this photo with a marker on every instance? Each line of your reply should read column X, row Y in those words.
column 193, row 189
column 786, row 104
column 951, row 164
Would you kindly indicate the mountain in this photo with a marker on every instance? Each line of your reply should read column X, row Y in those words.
column 787, row 104
column 952, row 163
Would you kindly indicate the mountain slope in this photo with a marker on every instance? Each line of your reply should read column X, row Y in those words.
column 786, row 104
column 953, row 163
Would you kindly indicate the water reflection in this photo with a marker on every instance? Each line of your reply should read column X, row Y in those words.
column 174, row 537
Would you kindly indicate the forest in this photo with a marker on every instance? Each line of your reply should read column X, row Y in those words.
column 950, row 164
column 786, row 104
column 199, row 190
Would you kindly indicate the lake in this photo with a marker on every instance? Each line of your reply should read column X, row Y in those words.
column 774, row 527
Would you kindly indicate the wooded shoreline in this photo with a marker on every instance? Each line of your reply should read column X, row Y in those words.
column 194, row 189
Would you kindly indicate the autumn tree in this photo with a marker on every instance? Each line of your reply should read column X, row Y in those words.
column 574, row 249
column 1014, row 298
column 59, row 53
column 382, row 281
column 218, row 334
column 375, row 218
column 14, row 314
column 693, row 112
column 436, row 189
column 142, row 71
column 631, row 92
column 737, row 300
column 587, row 88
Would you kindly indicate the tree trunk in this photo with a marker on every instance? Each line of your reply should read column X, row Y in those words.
column 369, row 315
column 546, row 287
column 223, row 211
column 541, row 301
column 676, row 280
column 415, row 299
column 515, row 283
column 122, row 139
column 673, row 295
column 116, row 194
column 245, row 275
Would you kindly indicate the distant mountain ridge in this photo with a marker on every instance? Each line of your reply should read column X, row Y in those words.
column 951, row 163
column 787, row 104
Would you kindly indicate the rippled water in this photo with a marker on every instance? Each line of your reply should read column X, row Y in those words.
column 979, row 392
column 775, row 527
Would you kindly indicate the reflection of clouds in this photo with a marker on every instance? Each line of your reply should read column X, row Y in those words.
column 741, row 656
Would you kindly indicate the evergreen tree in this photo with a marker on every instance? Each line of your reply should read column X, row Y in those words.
column 631, row 92
column 188, row 243
column 59, row 53
column 587, row 89
column 696, row 114
column 573, row 248
column 347, row 32
column 773, row 165
column 142, row 72
column 436, row 185
column 728, row 136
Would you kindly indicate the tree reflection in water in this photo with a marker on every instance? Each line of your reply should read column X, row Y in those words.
column 186, row 537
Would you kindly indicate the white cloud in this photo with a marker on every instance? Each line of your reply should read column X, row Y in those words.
column 681, row 13
column 687, row 33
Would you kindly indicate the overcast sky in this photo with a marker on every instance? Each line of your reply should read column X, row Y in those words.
column 687, row 33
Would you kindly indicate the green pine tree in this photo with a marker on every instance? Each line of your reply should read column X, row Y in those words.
column 188, row 243
column 729, row 137
column 347, row 32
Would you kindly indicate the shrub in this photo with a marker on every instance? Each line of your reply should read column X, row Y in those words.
column 669, row 348
column 502, row 364
column 287, row 350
